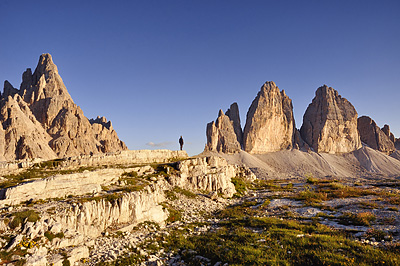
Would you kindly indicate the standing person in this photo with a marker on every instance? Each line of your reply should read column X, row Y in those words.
column 181, row 142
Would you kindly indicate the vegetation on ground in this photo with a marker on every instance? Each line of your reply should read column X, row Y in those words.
column 19, row 217
column 243, row 239
column 50, row 235
column 174, row 215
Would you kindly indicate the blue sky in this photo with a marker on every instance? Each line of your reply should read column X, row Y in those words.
column 161, row 69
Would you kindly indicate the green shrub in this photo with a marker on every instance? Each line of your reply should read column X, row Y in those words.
column 311, row 196
column 310, row 179
column 240, row 186
column 50, row 235
column 19, row 217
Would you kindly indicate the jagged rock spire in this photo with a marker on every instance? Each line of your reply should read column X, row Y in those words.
column 330, row 123
column 373, row 136
column 270, row 123
column 233, row 114
column 58, row 122
column 221, row 135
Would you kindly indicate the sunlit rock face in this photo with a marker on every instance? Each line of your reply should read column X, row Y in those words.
column 330, row 123
column 40, row 120
column 374, row 137
column 270, row 123
column 221, row 135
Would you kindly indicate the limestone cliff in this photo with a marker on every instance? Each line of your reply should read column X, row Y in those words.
column 221, row 135
column 330, row 123
column 270, row 123
column 233, row 114
column 373, row 136
column 41, row 119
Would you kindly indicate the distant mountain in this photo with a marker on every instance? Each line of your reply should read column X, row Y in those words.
column 330, row 125
column 40, row 120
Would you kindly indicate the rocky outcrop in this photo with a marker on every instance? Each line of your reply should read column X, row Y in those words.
column 106, row 135
column 221, row 135
column 386, row 130
column 121, row 157
column 373, row 136
column 233, row 114
column 207, row 174
column 270, row 123
column 93, row 217
column 41, row 119
column 21, row 135
column 125, row 157
column 59, row 186
column 330, row 123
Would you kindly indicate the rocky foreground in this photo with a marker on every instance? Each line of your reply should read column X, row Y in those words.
column 163, row 208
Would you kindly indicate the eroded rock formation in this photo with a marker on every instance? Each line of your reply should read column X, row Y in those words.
column 330, row 123
column 373, row 136
column 233, row 114
column 221, row 135
column 386, row 130
column 40, row 120
column 270, row 123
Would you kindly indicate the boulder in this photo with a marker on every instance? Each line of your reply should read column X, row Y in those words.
column 373, row 136
column 206, row 174
column 221, row 135
column 330, row 123
column 270, row 123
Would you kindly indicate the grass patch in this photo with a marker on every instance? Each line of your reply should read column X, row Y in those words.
column 185, row 192
column 132, row 182
column 240, row 186
column 19, row 217
column 36, row 172
column 361, row 218
column 309, row 195
column 50, row 235
column 271, row 241
column 174, row 214
column 272, row 185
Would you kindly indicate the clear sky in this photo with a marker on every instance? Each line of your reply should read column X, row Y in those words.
column 161, row 69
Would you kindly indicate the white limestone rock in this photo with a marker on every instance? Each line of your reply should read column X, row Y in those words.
column 270, row 123
column 330, row 123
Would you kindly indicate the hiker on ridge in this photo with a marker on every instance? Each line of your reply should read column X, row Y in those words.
column 181, row 142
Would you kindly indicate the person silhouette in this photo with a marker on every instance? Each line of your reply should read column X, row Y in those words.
column 181, row 142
